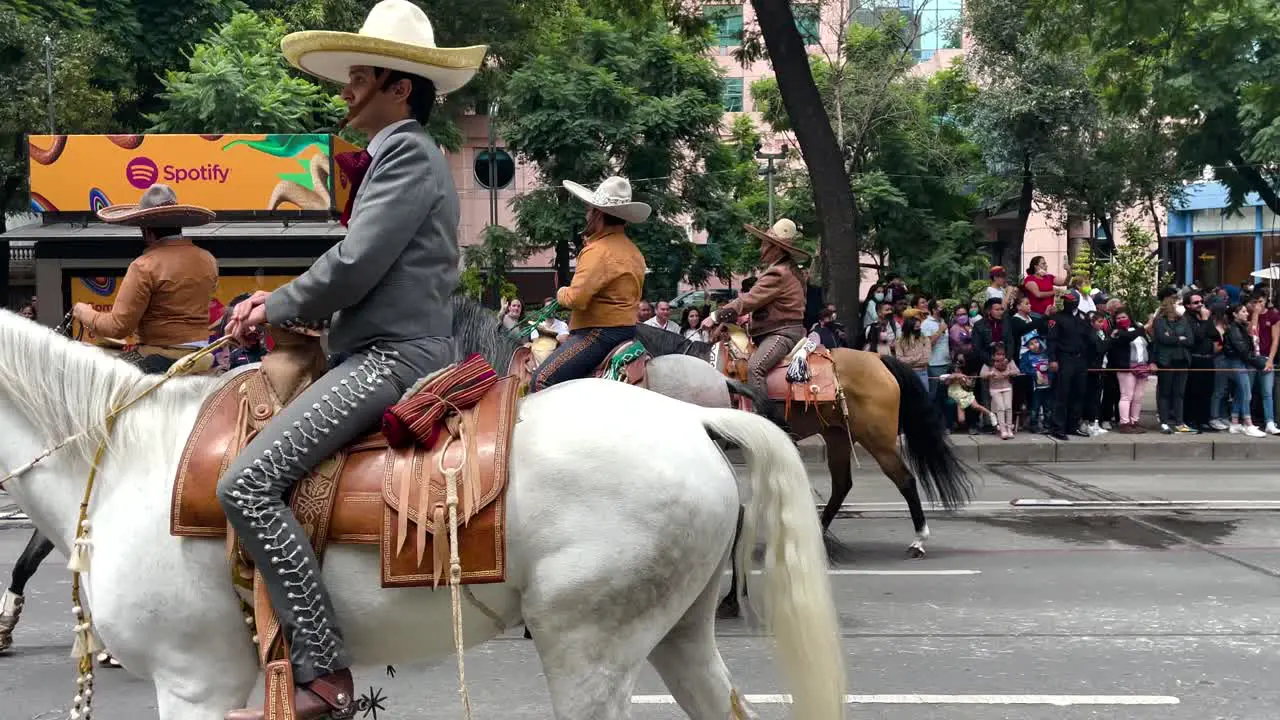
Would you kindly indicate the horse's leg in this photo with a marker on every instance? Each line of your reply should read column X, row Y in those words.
column 197, row 698
column 729, row 608
column 690, row 664
column 37, row 549
column 882, row 443
column 840, row 465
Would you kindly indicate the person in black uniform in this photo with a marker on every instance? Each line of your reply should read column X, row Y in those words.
column 1196, row 412
column 1069, row 348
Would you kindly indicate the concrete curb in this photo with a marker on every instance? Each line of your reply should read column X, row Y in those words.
column 1034, row 448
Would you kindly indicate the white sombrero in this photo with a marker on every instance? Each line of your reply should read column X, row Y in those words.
column 395, row 35
column 783, row 234
column 613, row 197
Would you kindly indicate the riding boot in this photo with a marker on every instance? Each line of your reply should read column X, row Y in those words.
column 10, row 611
column 329, row 696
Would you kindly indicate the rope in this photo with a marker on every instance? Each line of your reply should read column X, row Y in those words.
column 86, row 643
column 455, row 564
column 521, row 329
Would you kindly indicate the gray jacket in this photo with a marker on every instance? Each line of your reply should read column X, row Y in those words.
column 390, row 279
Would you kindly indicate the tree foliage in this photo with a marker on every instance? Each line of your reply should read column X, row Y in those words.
column 1047, row 130
column 910, row 165
column 80, row 103
column 239, row 82
column 629, row 98
column 1209, row 70
column 1132, row 273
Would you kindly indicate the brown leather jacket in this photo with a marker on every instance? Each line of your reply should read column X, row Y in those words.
column 607, row 283
column 775, row 302
column 164, row 296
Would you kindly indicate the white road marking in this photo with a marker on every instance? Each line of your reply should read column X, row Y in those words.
column 890, row 572
column 1059, row 700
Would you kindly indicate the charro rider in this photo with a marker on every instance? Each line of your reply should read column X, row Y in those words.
column 776, row 304
column 384, row 291
column 606, row 286
column 165, row 294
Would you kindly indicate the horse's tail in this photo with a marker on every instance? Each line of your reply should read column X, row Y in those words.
column 931, row 455
column 798, row 601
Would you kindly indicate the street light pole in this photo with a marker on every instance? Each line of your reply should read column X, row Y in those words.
column 48, row 69
column 768, row 171
column 493, row 164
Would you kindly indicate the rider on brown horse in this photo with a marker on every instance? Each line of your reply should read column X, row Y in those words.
column 776, row 304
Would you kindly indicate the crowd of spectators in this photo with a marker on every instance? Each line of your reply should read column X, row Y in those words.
column 1061, row 357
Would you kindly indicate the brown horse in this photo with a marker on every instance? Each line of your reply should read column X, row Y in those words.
column 885, row 401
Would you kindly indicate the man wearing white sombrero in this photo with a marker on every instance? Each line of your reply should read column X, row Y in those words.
column 606, row 287
column 384, row 294
column 776, row 303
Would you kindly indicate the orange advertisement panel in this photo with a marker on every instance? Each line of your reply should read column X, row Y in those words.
column 100, row 292
column 225, row 173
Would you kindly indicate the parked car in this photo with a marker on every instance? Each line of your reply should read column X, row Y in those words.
column 700, row 298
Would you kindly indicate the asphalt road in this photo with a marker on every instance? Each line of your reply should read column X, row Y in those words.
column 1120, row 613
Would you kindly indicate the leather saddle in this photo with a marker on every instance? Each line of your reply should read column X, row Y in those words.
column 734, row 350
column 618, row 364
column 368, row 493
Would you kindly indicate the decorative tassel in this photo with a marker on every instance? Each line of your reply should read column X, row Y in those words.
column 798, row 370
column 80, row 553
column 87, row 643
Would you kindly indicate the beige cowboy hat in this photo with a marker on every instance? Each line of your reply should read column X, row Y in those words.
column 783, row 234
column 613, row 197
column 158, row 207
column 395, row 35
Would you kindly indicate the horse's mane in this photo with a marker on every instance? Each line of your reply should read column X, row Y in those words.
column 477, row 329
column 65, row 387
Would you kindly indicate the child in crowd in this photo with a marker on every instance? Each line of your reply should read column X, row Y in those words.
column 997, row 376
column 1033, row 362
column 960, row 390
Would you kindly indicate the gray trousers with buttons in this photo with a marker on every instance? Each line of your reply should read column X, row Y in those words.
column 340, row 407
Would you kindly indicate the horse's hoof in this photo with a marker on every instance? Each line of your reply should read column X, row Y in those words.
column 915, row 552
column 105, row 660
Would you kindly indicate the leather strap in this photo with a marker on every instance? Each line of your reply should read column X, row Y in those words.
column 279, row 691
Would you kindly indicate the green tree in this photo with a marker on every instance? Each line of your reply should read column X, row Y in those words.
column 238, row 81
column 626, row 97
column 1210, row 71
column 1132, row 274
column 79, row 105
column 909, row 163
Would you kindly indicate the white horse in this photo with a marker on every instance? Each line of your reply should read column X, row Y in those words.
column 614, row 551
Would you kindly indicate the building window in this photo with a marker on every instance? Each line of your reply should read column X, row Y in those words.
column 938, row 23
column 732, row 99
column 727, row 21
column 809, row 23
